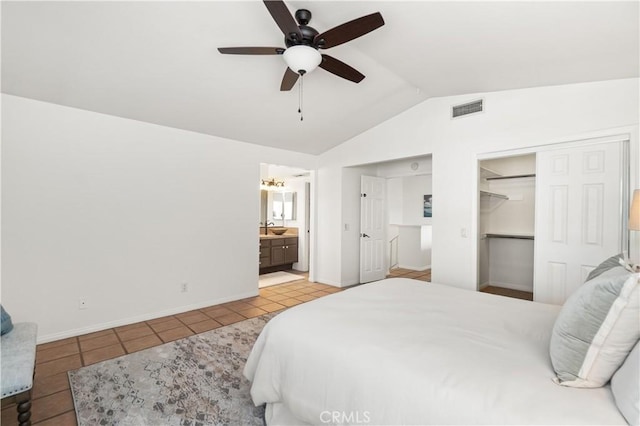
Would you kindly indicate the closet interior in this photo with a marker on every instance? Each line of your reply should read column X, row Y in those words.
column 506, row 225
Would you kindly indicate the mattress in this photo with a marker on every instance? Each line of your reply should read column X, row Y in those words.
column 402, row 351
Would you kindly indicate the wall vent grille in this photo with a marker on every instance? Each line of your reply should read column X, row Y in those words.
column 468, row 108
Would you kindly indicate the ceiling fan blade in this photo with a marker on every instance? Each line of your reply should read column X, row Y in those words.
column 289, row 80
column 280, row 13
column 339, row 68
column 349, row 31
column 251, row 50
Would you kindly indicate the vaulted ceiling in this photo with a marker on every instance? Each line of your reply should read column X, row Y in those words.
column 157, row 61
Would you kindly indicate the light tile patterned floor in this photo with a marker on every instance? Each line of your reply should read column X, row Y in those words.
column 410, row 273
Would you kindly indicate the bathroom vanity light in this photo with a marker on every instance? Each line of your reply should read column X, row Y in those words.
column 272, row 185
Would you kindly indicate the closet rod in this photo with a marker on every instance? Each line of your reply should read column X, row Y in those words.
column 510, row 177
column 512, row 236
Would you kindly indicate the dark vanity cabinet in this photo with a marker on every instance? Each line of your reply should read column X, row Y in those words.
column 265, row 253
column 278, row 254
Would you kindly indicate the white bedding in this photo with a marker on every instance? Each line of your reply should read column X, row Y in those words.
column 402, row 351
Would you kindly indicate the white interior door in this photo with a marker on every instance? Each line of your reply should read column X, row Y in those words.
column 372, row 229
column 578, row 220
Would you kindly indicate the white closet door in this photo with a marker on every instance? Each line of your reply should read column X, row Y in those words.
column 578, row 216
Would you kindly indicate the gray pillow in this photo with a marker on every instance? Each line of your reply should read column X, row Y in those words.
column 596, row 329
column 612, row 262
column 6, row 325
column 625, row 385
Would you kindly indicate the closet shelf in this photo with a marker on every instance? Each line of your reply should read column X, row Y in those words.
column 512, row 236
column 493, row 194
column 511, row 176
column 488, row 173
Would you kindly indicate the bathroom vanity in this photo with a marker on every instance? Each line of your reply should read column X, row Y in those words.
column 277, row 252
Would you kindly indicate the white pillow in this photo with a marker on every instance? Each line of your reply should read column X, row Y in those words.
column 625, row 385
column 596, row 329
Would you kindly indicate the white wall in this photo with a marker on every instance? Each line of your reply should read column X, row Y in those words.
column 511, row 263
column 414, row 247
column 120, row 213
column 395, row 201
column 405, row 167
column 513, row 119
column 513, row 165
column 414, row 189
column 328, row 209
column 405, row 197
column 515, row 215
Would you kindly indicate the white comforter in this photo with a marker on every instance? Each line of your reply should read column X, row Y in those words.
column 401, row 351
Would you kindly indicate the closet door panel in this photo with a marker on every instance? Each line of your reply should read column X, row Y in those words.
column 578, row 220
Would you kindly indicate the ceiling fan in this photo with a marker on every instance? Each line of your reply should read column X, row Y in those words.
column 302, row 41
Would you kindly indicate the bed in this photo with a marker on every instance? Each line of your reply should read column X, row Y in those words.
column 401, row 351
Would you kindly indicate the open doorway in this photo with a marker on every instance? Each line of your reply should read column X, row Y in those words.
column 410, row 206
column 407, row 224
column 284, row 224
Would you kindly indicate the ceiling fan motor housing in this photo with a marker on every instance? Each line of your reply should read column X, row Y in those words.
column 303, row 16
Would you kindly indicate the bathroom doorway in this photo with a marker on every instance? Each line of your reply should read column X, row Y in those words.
column 284, row 224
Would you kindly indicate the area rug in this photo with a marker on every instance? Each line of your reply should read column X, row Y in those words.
column 275, row 278
column 190, row 382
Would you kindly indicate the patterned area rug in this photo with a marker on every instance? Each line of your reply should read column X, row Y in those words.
column 190, row 382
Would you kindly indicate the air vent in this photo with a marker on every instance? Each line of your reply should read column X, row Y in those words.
column 466, row 109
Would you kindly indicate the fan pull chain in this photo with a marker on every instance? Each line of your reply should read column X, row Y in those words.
column 300, row 97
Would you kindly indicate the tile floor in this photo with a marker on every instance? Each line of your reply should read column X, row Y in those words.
column 52, row 401
column 410, row 273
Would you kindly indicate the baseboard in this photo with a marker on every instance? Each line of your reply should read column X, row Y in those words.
column 329, row 282
column 484, row 285
column 145, row 317
column 512, row 286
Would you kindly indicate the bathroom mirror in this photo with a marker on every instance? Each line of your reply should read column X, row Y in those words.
column 278, row 206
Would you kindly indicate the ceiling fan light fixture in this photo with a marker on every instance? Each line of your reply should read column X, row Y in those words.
column 302, row 59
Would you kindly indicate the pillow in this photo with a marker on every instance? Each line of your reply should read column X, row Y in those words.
column 7, row 325
column 616, row 261
column 625, row 385
column 596, row 329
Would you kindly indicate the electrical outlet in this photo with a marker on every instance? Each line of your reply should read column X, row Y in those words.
column 184, row 287
column 82, row 304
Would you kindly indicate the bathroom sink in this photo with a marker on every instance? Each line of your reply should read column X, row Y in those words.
column 278, row 231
